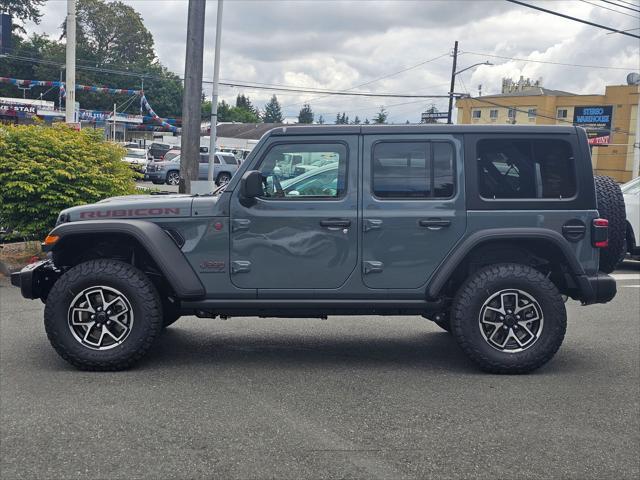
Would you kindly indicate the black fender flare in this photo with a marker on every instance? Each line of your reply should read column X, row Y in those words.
column 453, row 260
column 158, row 244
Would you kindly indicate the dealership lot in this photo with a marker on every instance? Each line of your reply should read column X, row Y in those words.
column 359, row 397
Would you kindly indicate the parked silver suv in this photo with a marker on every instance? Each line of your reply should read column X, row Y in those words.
column 225, row 165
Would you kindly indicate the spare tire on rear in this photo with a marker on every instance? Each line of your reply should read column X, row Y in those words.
column 611, row 206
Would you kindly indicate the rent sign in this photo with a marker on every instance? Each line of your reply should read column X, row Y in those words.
column 597, row 121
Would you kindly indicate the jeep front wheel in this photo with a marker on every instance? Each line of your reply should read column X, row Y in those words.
column 509, row 318
column 103, row 315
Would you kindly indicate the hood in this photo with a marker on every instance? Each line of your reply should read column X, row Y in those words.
column 132, row 206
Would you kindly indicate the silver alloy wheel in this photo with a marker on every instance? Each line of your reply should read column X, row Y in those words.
column 511, row 320
column 100, row 317
column 223, row 179
column 173, row 178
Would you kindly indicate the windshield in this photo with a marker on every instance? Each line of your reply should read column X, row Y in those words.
column 171, row 156
column 136, row 153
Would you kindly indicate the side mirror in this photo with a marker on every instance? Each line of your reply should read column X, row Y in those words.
column 251, row 184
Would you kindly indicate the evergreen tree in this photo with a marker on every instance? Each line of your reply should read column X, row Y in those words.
column 356, row 121
column 244, row 102
column 272, row 111
column 321, row 120
column 306, row 114
column 366, row 121
column 338, row 119
column 381, row 116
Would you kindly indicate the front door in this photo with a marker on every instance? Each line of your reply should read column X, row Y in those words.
column 413, row 208
column 302, row 232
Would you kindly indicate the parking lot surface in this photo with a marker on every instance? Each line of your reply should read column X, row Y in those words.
column 349, row 397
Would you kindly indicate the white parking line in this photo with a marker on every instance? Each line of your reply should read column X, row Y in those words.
column 626, row 276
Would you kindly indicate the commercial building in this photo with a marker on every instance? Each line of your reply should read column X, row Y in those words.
column 610, row 119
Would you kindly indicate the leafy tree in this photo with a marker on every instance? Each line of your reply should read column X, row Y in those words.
column 272, row 111
column 45, row 169
column 22, row 10
column 306, row 114
column 112, row 34
column 321, row 120
column 381, row 116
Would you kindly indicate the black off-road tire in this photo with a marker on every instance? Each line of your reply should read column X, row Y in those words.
column 611, row 206
column 139, row 292
column 467, row 305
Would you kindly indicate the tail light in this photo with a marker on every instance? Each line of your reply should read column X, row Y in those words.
column 600, row 233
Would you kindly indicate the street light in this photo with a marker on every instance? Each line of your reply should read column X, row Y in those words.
column 453, row 78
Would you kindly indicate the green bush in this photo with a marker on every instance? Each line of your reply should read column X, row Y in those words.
column 46, row 169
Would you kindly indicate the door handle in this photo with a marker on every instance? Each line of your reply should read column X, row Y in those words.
column 372, row 266
column 434, row 223
column 335, row 223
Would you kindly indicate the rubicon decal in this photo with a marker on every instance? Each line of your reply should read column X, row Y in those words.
column 132, row 212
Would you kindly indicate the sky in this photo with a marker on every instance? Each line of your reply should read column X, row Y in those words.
column 339, row 45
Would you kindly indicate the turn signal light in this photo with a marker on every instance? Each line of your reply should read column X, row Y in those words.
column 51, row 239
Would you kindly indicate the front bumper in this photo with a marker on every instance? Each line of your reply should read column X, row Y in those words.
column 599, row 288
column 154, row 176
column 35, row 280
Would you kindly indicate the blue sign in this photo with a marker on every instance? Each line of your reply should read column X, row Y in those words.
column 596, row 120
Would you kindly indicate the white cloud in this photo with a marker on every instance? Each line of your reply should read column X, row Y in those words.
column 339, row 44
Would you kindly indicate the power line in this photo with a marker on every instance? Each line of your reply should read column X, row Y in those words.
column 623, row 6
column 577, row 65
column 575, row 19
column 382, row 77
column 611, row 9
column 254, row 85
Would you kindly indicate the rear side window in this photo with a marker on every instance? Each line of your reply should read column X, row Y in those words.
column 525, row 168
column 413, row 170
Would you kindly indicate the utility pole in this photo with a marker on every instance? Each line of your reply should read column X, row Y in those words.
column 453, row 81
column 635, row 169
column 214, row 94
column 70, row 85
column 191, row 106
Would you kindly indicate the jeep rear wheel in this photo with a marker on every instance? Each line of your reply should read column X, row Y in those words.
column 509, row 318
column 103, row 315
column 611, row 206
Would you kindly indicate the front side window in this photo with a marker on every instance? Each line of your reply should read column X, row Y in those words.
column 412, row 170
column 305, row 171
column 525, row 169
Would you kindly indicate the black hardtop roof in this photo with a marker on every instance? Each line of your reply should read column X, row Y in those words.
column 398, row 129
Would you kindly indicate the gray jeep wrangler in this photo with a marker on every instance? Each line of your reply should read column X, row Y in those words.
column 486, row 230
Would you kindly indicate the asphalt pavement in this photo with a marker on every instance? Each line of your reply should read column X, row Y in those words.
column 349, row 397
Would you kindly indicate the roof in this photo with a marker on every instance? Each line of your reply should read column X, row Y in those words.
column 249, row 131
column 533, row 92
column 416, row 129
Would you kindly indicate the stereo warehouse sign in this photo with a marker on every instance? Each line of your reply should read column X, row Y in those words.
column 597, row 121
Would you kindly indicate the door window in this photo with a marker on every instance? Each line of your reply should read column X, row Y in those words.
column 413, row 170
column 305, row 170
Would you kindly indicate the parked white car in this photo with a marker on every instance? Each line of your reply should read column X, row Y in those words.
column 136, row 158
column 631, row 193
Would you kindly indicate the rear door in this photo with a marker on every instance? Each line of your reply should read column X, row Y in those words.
column 413, row 207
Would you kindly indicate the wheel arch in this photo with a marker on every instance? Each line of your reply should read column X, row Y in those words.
column 543, row 249
column 142, row 236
